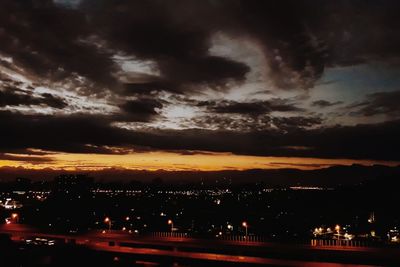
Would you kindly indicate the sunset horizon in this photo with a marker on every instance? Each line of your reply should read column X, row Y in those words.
column 163, row 91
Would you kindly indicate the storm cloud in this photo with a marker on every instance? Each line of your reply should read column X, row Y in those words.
column 386, row 103
column 245, row 77
column 95, row 134
column 54, row 41
column 254, row 108
column 9, row 98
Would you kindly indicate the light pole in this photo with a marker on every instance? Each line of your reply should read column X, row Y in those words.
column 170, row 222
column 107, row 220
column 244, row 224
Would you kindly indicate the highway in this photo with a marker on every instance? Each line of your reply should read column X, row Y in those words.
column 199, row 250
column 218, row 257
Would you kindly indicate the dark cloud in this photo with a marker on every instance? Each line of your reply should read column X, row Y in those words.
column 385, row 103
column 25, row 158
column 15, row 97
column 362, row 31
column 293, row 123
column 206, row 69
column 95, row 134
column 64, row 133
column 296, row 165
column 300, row 38
column 254, row 108
column 157, row 31
column 150, row 88
column 56, row 42
column 49, row 41
column 228, row 122
column 140, row 109
column 53, row 101
column 325, row 103
column 297, row 56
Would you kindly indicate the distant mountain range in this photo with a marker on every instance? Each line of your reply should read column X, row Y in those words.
column 329, row 177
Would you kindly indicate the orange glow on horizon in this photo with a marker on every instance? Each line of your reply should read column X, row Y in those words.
column 177, row 162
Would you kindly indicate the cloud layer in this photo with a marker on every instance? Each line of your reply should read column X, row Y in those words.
column 245, row 77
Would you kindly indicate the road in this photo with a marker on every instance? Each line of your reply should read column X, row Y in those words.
column 219, row 257
column 218, row 250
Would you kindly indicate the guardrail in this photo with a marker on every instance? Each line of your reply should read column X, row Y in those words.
column 340, row 243
column 238, row 238
column 169, row 235
column 262, row 239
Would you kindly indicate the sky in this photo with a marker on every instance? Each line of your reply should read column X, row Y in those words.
column 198, row 84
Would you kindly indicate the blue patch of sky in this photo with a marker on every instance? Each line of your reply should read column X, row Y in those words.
column 352, row 83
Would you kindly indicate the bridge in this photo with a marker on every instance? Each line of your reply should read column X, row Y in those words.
column 179, row 247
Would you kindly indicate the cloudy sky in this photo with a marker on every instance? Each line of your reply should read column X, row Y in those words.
column 198, row 84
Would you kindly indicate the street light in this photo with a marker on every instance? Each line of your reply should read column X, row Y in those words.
column 15, row 217
column 244, row 224
column 108, row 221
column 337, row 228
column 170, row 222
